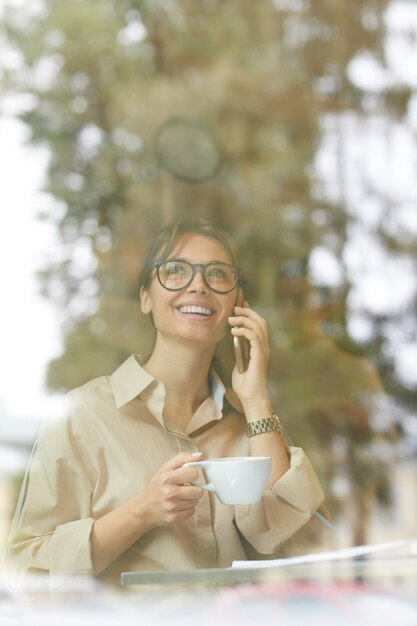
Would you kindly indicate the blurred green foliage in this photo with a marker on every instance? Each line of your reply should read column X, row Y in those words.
column 104, row 76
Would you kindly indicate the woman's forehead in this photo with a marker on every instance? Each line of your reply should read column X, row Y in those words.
column 198, row 248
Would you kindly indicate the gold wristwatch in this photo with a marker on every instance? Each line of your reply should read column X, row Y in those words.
column 266, row 425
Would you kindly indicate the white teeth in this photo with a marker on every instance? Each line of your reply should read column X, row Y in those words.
column 201, row 310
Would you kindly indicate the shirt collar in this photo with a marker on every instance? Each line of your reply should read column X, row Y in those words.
column 218, row 390
column 130, row 379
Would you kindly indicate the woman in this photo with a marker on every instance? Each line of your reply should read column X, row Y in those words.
column 106, row 491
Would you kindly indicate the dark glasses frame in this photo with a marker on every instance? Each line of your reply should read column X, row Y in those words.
column 194, row 266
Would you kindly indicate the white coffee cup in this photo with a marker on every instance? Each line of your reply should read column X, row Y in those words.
column 235, row 479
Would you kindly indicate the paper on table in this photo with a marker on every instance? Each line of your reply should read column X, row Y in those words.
column 332, row 555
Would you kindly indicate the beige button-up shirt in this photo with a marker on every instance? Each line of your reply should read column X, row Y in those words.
column 108, row 449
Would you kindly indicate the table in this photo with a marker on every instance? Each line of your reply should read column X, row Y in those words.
column 390, row 561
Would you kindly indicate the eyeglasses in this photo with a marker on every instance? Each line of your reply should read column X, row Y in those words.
column 176, row 274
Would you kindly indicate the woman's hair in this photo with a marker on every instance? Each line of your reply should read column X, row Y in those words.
column 167, row 238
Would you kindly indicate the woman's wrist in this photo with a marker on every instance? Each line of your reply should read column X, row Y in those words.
column 141, row 513
column 257, row 409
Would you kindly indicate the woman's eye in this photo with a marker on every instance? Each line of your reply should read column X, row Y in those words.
column 174, row 269
column 216, row 272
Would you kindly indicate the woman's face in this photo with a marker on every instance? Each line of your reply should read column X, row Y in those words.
column 170, row 309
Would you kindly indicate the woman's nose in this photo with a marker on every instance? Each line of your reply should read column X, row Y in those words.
column 198, row 283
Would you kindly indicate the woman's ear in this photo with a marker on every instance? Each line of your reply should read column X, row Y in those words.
column 145, row 301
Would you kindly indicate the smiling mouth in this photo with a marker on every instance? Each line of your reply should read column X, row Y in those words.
column 196, row 310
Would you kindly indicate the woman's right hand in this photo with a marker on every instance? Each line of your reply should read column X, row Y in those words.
column 169, row 496
column 167, row 499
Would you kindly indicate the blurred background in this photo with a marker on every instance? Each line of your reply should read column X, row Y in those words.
column 292, row 124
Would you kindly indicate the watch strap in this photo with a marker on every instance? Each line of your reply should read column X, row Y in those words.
column 266, row 425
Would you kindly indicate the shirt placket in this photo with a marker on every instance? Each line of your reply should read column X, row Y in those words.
column 205, row 539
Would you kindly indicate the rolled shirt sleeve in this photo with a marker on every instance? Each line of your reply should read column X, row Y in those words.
column 51, row 531
column 284, row 508
column 69, row 548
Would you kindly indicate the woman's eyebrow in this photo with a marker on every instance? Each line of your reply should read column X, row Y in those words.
column 176, row 258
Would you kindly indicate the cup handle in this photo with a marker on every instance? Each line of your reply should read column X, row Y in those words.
column 208, row 486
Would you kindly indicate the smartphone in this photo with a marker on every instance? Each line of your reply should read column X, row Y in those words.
column 241, row 344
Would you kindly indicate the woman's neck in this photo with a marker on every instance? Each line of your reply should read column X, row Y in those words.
column 184, row 370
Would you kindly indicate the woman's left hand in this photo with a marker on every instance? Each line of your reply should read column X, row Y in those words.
column 251, row 385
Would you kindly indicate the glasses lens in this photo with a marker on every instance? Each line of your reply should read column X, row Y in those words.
column 175, row 274
column 221, row 277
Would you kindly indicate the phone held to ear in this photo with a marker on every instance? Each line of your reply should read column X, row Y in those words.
column 241, row 344
column 241, row 347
